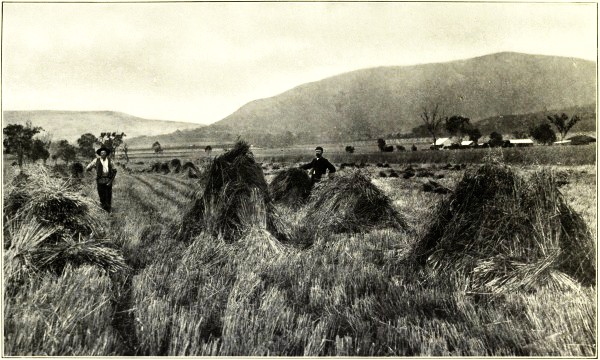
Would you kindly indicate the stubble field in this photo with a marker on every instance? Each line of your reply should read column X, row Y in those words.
column 346, row 294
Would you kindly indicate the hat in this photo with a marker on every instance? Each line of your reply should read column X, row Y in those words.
column 319, row 148
column 103, row 148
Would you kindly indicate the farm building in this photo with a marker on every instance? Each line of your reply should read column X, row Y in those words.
column 442, row 143
column 563, row 142
column 467, row 143
column 581, row 140
column 519, row 142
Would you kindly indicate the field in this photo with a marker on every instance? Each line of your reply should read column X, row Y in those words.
column 346, row 294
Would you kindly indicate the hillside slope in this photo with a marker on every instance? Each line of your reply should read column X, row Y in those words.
column 71, row 125
column 390, row 99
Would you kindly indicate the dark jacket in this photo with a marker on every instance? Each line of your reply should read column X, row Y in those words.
column 320, row 167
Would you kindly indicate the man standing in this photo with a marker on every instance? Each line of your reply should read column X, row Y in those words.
column 319, row 166
column 105, row 174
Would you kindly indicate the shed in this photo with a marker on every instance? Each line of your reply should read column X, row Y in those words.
column 581, row 139
column 520, row 142
column 442, row 142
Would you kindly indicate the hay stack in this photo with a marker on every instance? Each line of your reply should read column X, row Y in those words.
column 190, row 170
column 164, row 168
column 350, row 203
column 155, row 167
column 48, row 224
column 231, row 181
column 505, row 232
column 291, row 187
column 53, row 202
column 175, row 165
column 434, row 186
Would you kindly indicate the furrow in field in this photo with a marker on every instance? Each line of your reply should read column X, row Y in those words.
column 157, row 203
column 173, row 197
column 176, row 186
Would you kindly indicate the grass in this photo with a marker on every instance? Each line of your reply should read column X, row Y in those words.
column 354, row 294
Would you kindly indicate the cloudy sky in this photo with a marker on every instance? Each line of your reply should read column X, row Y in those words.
column 199, row 62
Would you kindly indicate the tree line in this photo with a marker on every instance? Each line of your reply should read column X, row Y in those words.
column 20, row 140
column 434, row 123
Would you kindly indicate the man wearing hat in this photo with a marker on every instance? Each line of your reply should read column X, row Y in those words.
column 105, row 174
column 319, row 166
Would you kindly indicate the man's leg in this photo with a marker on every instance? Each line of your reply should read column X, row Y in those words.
column 109, row 197
column 102, row 193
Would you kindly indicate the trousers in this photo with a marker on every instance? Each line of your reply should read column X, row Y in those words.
column 105, row 194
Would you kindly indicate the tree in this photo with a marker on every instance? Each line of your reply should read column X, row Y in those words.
column 86, row 144
column 350, row 149
column 563, row 124
column 112, row 141
column 457, row 125
column 157, row 148
column 66, row 151
column 208, row 149
column 432, row 121
column 39, row 150
column 520, row 134
column 381, row 144
column 474, row 134
column 495, row 139
column 18, row 140
column 543, row 133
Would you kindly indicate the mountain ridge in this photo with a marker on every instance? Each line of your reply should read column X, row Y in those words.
column 71, row 124
column 392, row 96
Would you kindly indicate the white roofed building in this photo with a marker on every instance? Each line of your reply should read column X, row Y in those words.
column 520, row 142
column 442, row 142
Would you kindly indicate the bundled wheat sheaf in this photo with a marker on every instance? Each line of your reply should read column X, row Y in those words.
column 49, row 225
column 230, row 182
column 506, row 231
column 291, row 187
column 351, row 203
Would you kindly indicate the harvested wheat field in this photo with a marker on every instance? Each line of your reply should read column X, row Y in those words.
column 230, row 264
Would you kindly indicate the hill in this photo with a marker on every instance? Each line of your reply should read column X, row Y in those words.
column 388, row 100
column 71, row 125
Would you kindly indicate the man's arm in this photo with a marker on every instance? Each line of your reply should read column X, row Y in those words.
column 330, row 167
column 91, row 165
column 307, row 166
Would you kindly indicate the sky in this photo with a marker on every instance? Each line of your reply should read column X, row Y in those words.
column 200, row 62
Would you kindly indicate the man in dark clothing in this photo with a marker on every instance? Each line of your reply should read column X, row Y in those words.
column 105, row 174
column 319, row 166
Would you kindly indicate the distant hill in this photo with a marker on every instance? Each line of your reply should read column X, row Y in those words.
column 385, row 100
column 390, row 99
column 71, row 125
column 509, row 124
